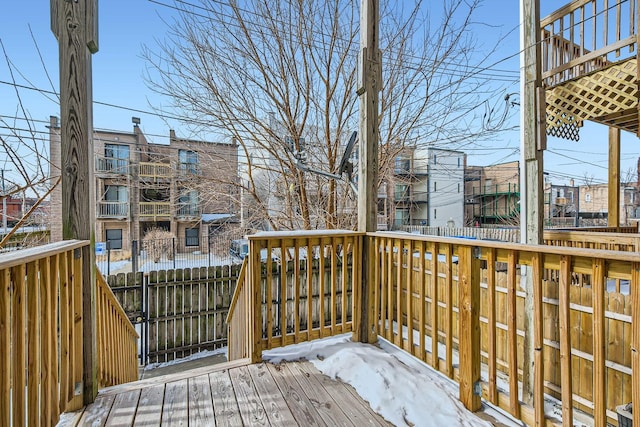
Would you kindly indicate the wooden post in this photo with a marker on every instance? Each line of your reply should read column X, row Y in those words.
column 469, row 303
column 614, row 178
column 369, row 76
column 635, row 340
column 75, row 26
column 532, row 144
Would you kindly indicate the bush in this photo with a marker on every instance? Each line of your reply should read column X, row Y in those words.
column 158, row 243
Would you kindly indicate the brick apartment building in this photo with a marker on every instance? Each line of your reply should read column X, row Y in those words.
column 187, row 187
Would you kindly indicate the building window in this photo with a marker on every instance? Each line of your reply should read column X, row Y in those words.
column 192, row 236
column 401, row 192
column 435, row 187
column 587, row 197
column 435, row 159
column 116, row 193
column 114, row 238
column 116, row 157
column 435, row 214
column 188, row 161
column 458, row 187
column 188, row 203
column 459, row 161
column 402, row 165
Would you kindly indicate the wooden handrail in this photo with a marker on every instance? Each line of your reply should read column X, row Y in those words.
column 117, row 338
column 239, row 321
column 239, row 287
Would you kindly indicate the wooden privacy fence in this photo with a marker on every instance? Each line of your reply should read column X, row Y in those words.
column 180, row 312
column 464, row 315
column 117, row 338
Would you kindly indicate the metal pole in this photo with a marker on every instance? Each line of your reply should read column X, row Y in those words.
column 4, row 204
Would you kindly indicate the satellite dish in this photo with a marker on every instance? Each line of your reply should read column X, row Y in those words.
column 345, row 165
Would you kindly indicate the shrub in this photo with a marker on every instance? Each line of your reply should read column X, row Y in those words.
column 158, row 243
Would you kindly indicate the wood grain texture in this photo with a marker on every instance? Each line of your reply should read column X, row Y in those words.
column 299, row 404
column 150, row 406
column 175, row 409
column 200, row 402
column 251, row 409
column 124, row 408
column 275, row 407
column 225, row 405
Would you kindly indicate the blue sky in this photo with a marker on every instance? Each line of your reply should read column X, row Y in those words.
column 124, row 26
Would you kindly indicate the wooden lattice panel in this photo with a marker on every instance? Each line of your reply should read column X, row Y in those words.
column 598, row 97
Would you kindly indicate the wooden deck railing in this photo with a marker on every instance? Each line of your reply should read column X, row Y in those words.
column 458, row 304
column 585, row 36
column 117, row 339
column 238, row 320
column 305, row 288
column 464, row 315
column 40, row 333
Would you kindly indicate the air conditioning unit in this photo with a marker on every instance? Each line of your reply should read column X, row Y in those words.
column 561, row 200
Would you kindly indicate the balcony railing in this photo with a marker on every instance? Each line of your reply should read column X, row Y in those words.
column 154, row 170
column 112, row 165
column 155, row 209
column 585, row 36
column 113, row 209
column 189, row 169
column 495, row 189
column 42, row 337
column 458, row 306
column 188, row 210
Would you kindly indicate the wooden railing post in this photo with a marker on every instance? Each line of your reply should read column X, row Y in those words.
column 469, row 303
column 254, row 306
column 364, row 328
column 635, row 340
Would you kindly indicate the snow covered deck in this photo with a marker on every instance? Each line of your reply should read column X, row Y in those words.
column 324, row 382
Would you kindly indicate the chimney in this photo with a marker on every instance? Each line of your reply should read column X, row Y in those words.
column 571, row 183
column 53, row 122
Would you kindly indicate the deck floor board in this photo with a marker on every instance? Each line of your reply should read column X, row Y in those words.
column 264, row 394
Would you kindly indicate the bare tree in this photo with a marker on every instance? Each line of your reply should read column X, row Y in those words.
column 26, row 175
column 280, row 78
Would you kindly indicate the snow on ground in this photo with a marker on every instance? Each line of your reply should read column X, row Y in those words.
column 194, row 356
column 399, row 387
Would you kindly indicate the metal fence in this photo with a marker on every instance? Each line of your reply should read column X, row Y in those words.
column 164, row 254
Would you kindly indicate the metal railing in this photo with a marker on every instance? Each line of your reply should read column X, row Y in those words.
column 113, row 210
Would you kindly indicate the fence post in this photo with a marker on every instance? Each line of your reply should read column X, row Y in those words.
column 173, row 245
column 469, row 329
column 134, row 256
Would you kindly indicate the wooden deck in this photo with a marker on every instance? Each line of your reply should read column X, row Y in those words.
column 231, row 394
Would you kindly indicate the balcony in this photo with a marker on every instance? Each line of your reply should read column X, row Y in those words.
column 155, row 210
column 188, row 211
column 113, row 210
column 589, row 65
column 154, row 171
column 112, row 166
column 496, row 190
